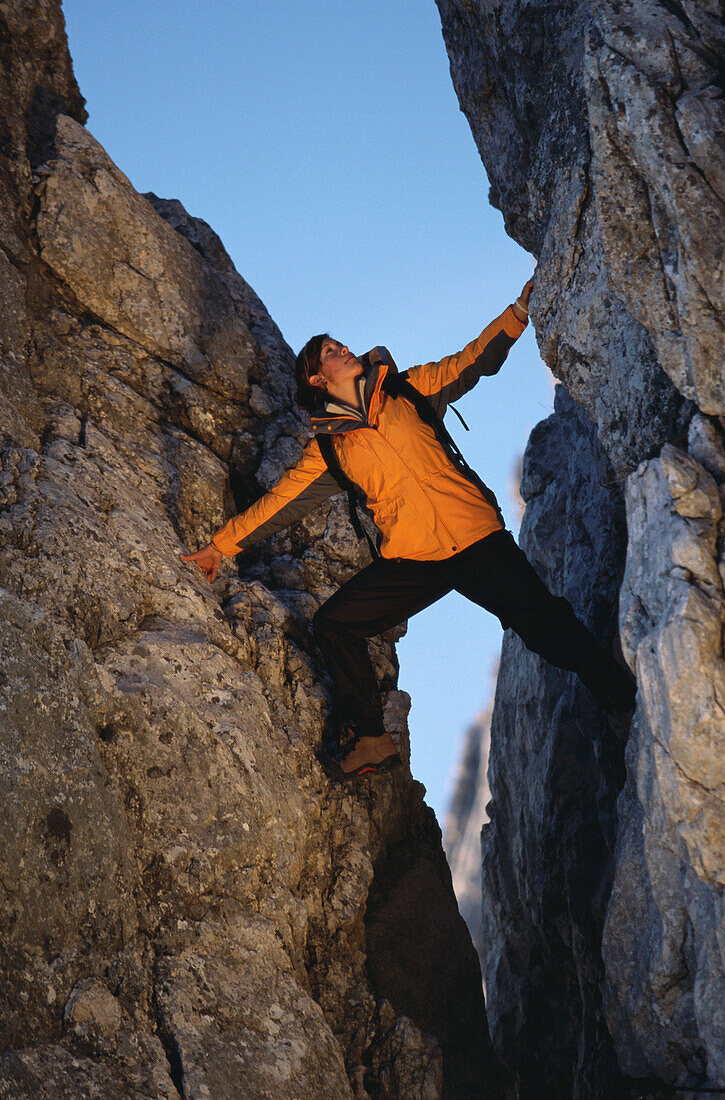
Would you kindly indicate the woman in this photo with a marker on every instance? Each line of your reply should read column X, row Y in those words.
column 439, row 527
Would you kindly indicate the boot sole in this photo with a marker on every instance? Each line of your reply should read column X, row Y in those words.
column 334, row 771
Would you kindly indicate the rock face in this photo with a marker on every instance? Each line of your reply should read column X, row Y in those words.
column 188, row 906
column 665, row 914
column 554, row 775
column 600, row 126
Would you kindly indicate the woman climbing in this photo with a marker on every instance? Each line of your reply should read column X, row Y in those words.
column 379, row 435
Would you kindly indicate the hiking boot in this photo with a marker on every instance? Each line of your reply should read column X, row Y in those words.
column 368, row 755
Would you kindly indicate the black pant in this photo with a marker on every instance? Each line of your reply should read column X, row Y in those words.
column 494, row 573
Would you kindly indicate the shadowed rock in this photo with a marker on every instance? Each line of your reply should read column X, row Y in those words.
column 600, row 128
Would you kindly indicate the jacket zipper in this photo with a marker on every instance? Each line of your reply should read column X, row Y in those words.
column 416, row 480
column 365, row 418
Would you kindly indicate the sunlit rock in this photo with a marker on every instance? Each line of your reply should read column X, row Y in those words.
column 186, row 899
column 664, row 913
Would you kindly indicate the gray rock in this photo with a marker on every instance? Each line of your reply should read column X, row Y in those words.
column 103, row 1053
column 52, row 1073
column 129, row 268
column 600, row 128
column 522, row 78
column 239, row 1022
column 408, row 1064
column 669, row 878
column 184, row 894
column 554, row 773
column 705, row 444
column 651, row 82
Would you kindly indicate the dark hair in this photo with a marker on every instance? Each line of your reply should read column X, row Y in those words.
column 308, row 363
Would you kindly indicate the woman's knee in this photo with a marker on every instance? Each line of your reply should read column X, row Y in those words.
column 546, row 624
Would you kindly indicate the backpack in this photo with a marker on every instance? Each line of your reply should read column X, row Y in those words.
column 397, row 385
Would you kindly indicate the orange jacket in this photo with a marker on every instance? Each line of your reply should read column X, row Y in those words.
column 422, row 505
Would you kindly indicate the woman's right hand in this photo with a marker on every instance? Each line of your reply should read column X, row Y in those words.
column 208, row 559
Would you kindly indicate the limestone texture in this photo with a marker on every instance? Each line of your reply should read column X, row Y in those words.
column 188, row 906
column 600, row 125
column 670, row 869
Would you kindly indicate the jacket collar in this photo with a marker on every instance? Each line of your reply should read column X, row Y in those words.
column 332, row 416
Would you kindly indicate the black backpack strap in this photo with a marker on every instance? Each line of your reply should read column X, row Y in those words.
column 397, row 385
column 455, row 410
column 355, row 495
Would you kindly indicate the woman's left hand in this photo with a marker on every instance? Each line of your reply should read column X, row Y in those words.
column 521, row 305
column 526, row 292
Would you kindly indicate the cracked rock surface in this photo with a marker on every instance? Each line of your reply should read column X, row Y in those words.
column 188, row 906
column 664, row 917
column 600, row 125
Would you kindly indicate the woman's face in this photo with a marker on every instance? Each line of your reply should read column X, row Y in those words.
column 337, row 365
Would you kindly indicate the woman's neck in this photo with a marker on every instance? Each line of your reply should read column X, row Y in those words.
column 347, row 393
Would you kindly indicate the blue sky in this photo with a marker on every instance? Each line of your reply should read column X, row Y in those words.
column 324, row 144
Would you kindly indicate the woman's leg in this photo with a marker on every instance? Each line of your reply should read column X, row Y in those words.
column 378, row 598
column 496, row 574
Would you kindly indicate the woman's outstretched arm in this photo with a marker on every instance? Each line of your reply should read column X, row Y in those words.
column 297, row 492
column 449, row 378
